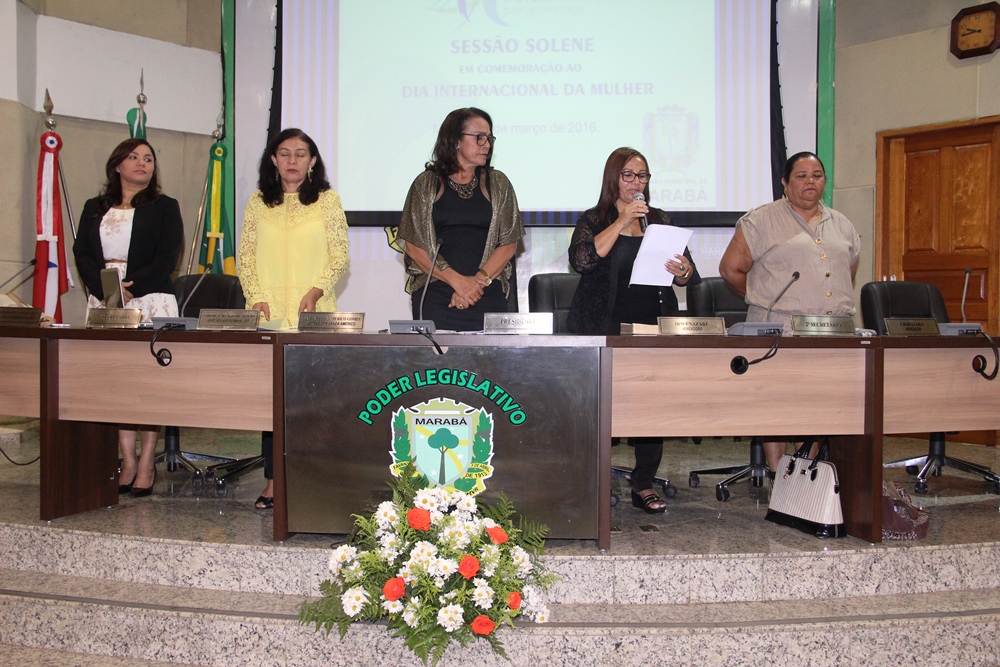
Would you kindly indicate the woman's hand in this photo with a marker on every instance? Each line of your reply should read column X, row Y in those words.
column 263, row 307
column 308, row 302
column 125, row 293
column 467, row 292
column 680, row 269
column 633, row 210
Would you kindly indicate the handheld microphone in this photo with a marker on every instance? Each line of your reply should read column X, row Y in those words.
column 430, row 274
column 643, row 223
column 19, row 272
column 795, row 276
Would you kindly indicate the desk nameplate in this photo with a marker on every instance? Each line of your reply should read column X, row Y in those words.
column 633, row 329
column 517, row 323
column 214, row 319
column 332, row 322
column 20, row 317
column 822, row 325
column 911, row 326
column 692, row 326
column 113, row 318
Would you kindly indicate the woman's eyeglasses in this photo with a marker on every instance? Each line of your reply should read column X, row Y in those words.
column 481, row 138
column 628, row 176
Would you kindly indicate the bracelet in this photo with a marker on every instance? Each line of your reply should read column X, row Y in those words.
column 487, row 276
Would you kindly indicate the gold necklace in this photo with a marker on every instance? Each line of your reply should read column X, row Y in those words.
column 465, row 190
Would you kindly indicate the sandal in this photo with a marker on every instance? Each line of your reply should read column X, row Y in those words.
column 645, row 503
column 264, row 503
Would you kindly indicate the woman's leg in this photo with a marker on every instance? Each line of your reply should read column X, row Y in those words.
column 127, row 435
column 648, row 453
column 146, row 470
column 267, row 451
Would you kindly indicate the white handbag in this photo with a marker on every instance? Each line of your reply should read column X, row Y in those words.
column 806, row 493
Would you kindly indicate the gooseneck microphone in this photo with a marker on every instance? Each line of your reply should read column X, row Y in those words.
column 197, row 285
column 643, row 223
column 24, row 268
column 965, row 290
column 163, row 356
column 430, row 274
column 739, row 364
column 795, row 276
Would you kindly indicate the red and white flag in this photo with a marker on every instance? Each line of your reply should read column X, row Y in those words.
column 52, row 270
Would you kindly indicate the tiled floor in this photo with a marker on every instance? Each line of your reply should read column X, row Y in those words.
column 962, row 508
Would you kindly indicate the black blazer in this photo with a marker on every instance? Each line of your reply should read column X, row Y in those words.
column 157, row 236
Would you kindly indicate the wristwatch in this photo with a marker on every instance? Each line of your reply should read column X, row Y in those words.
column 487, row 276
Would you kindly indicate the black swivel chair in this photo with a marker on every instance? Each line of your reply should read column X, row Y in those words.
column 880, row 300
column 713, row 298
column 552, row 293
column 217, row 290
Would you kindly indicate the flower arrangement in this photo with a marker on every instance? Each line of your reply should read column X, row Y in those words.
column 438, row 566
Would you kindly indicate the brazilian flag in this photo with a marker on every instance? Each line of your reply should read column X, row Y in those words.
column 218, row 240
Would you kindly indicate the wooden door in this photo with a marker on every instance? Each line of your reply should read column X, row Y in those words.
column 937, row 217
column 937, row 213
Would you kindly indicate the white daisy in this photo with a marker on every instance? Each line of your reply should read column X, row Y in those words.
column 450, row 617
column 392, row 606
column 353, row 600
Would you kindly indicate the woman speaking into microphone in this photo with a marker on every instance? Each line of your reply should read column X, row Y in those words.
column 603, row 250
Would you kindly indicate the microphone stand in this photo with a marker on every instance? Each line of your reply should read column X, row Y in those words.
column 20, row 271
column 423, row 330
column 739, row 364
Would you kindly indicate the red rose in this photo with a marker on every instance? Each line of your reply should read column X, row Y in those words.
column 514, row 600
column 482, row 625
column 497, row 534
column 468, row 567
column 394, row 588
column 419, row 519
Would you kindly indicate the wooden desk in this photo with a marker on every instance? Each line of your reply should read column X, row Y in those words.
column 93, row 380
column 683, row 386
column 20, row 368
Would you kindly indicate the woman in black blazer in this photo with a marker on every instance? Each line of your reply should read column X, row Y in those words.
column 134, row 228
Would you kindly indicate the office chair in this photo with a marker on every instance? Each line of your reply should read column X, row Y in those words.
column 902, row 298
column 217, row 290
column 713, row 298
column 552, row 293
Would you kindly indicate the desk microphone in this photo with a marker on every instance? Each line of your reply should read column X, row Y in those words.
column 965, row 291
column 430, row 274
column 24, row 268
column 197, row 285
column 643, row 223
column 795, row 276
column 739, row 364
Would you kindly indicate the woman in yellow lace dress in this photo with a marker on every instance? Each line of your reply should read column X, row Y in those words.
column 293, row 247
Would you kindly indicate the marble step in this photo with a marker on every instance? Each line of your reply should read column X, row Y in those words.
column 586, row 579
column 29, row 656
column 19, row 439
column 195, row 626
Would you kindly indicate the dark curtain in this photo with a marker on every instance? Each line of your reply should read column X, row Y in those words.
column 778, row 149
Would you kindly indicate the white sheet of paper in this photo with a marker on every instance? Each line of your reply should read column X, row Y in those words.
column 660, row 243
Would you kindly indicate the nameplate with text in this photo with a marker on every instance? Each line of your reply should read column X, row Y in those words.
column 332, row 322
column 517, row 323
column 114, row 318
column 911, row 326
column 692, row 326
column 20, row 317
column 218, row 319
column 822, row 325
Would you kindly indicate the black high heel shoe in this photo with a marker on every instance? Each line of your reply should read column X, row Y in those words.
column 644, row 502
column 126, row 488
column 142, row 493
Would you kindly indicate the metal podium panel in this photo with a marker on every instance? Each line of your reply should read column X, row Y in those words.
column 342, row 403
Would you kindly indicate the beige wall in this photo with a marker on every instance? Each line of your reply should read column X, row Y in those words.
column 196, row 23
column 894, row 70
column 182, row 157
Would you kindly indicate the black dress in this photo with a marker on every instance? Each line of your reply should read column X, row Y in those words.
column 461, row 226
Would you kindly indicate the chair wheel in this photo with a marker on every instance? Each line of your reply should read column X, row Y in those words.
column 920, row 487
column 669, row 490
column 722, row 494
column 912, row 470
column 614, row 499
column 696, row 440
column 693, row 481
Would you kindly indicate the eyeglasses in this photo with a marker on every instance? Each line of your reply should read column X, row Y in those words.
column 481, row 138
column 628, row 176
